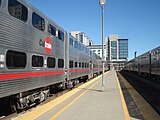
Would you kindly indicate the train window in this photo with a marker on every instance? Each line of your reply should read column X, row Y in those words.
column 71, row 41
column 16, row 60
column 51, row 62
column 94, row 65
column 37, row 61
column 70, row 64
column 0, row 2
column 17, row 10
column 60, row 35
column 76, row 64
column 91, row 53
column 76, row 45
column 38, row 22
column 80, row 47
column 60, row 63
column 52, row 29
column 85, row 65
column 82, row 64
column 79, row 64
column 86, row 50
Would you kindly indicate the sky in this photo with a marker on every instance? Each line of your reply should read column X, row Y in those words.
column 137, row 20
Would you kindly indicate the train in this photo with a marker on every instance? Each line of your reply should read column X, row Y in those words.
column 146, row 65
column 37, row 56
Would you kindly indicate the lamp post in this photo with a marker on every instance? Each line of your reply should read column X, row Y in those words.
column 135, row 54
column 102, row 4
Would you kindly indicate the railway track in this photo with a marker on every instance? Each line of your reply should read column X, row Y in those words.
column 147, row 88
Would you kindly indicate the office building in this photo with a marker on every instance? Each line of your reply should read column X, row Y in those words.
column 98, row 50
column 117, row 51
column 82, row 37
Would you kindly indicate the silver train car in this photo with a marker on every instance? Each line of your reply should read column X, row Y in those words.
column 147, row 64
column 37, row 56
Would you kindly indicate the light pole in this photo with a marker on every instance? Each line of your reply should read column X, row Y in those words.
column 135, row 54
column 102, row 4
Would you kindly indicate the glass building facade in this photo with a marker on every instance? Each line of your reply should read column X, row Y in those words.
column 117, row 51
column 113, row 50
column 123, row 48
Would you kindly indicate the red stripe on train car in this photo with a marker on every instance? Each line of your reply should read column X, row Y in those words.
column 28, row 74
column 96, row 68
column 79, row 70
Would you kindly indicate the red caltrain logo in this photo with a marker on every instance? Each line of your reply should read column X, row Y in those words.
column 48, row 45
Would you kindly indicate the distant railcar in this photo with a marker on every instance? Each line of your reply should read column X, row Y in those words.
column 147, row 65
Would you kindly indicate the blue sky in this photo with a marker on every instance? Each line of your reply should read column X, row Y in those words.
column 137, row 20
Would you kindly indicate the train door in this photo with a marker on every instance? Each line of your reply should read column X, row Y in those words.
column 150, row 64
column 91, row 68
column 66, row 56
column 139, row 68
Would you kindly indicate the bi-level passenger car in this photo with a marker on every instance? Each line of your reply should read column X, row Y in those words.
column 37, row 56
column 147, row 64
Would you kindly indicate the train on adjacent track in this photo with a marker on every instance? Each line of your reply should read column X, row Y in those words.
column 146, row 65
column 37, row 56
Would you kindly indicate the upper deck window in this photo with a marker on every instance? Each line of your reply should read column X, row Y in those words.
column 71, row 41
column 76, row 45
column 0, row 2
column 60, row 35
column 38, row 22
column 87, row 50
column 80, row 46
column 17, row 10
column 52, row 30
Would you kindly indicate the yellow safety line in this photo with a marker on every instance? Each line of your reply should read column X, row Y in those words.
column 126, row 113
column 147, row 111
column 72, row 102
column 40, row 110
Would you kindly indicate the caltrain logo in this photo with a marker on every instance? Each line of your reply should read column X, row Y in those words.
column 47, row 44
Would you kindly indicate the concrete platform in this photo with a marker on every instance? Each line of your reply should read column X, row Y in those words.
column 139, row 108
column 87, row 102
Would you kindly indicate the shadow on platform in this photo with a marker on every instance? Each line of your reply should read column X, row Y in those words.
column 97, row 90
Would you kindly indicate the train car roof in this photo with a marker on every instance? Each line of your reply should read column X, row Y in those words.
column 34, row 9
column 153, row 51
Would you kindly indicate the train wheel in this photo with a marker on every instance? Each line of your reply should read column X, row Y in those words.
column 13, row 108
